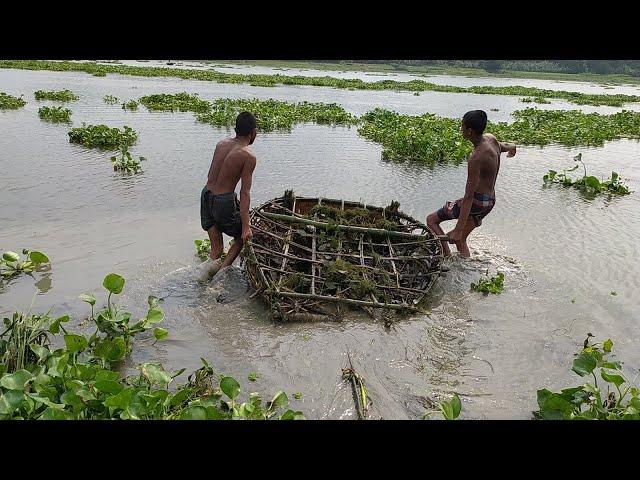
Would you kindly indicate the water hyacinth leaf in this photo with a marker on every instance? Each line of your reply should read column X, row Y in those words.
column 456, row 405
column 55, row 414
column 38, row 257
column 111, row 350
column 75, row 343
column 194, row 413
column 108, row 386
column 291, row 415
column 55, row 325
column 230, row 387
column 40, row 351
column 155, row 373
column 70, row 398
column 154, row 301
column 279, row 400
column 16, row 380
column 89, row 298
column 160, row 333
column 114, row 283
column 584, row 364
column 11, row 401
column 154, row 316
column 106, row 375
column 592, row 182
column 617, row 380
column 120, row 400
column 10, row 256
column 181, row 396
column 447, row 410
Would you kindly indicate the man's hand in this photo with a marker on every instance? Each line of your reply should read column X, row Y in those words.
column 511, row 149
column 455, row 235
column 247, row 234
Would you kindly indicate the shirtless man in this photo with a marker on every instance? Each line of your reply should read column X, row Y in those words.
column 479, row 196
column 220, row 210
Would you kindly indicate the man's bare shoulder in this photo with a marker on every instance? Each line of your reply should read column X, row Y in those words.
column 224, row 142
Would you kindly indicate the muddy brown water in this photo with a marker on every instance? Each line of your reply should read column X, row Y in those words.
column 553, row 245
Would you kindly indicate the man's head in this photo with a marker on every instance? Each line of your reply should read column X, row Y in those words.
column 246, row 126
column 473, row 123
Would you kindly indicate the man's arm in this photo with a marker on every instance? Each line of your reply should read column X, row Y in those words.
column 508, row 147
column 473, row 178
column 245, row 197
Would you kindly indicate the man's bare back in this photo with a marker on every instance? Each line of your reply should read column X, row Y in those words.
column 487, row 156
column 227, row 165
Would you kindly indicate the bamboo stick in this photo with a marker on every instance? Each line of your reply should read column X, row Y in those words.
column 346, row 228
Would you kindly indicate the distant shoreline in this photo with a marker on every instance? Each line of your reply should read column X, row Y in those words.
column 608, row 79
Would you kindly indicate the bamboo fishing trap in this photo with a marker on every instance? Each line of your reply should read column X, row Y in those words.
column 309, row 257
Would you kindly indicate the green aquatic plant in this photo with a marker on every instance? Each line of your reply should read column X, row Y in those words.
column 253, row 376
column 180, row 102
column 126, row 163
column 130, row 105
column 9, row 102
column 103, row 137
column 55, row 114
column 110, row 99
column 203, row 248
column 12, row 264
column 450, row 409
column 428, row 138
column 274, row 115
column 59, row 95
column 490, row 285
column 587, row 183
column 534, row 100
column 590, row 401
column 80, row 378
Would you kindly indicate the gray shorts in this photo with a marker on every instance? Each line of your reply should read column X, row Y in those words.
column 221, row 211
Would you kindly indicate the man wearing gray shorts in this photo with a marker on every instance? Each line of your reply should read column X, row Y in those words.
column 220, row 209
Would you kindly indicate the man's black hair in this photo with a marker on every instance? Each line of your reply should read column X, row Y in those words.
column 245, row 123
column 476, row 120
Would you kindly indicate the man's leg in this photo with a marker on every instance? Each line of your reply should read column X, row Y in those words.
column 217, row 245
column 433, row 222
column 233, row 252
column 462, row 246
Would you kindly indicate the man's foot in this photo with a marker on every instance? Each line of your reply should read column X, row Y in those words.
column 208, row 269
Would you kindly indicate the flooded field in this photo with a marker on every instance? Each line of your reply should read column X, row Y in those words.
column 495, row 351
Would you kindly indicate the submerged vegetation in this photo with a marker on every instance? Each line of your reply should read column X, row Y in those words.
column 587, row 183
column 354, row 84
column 103, row 137
column 490, row 285
column 620, row 401
column 55, row 114
column 57, row 95
column 81, row 379
column 9, row 102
